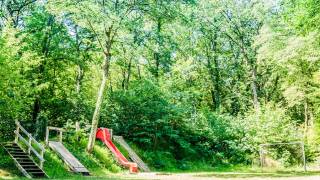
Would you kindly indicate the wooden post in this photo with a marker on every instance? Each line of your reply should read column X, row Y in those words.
column 47, row 136
column 17, row 136
column 111, row 133
column 60, row 136
column 261, row 157
column 41, row 161
column 77, row 126
column 29, row 143
column 17, row 132
column 303, row 157
column 77, row 130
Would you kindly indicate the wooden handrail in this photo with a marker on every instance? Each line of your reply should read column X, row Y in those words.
column 30, row 142
column 60, row 130
column 56, row 129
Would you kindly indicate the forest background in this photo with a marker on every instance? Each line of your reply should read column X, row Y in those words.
column 186, row 81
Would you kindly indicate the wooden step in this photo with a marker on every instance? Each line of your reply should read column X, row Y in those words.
column 20, row 155
column 11, row 145
column 15, row 150
column 25, row 158
column 27, row 163
column 27, row 168
column 34, row 170
column 23, row 161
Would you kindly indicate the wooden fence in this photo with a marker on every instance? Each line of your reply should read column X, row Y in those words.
column 32, row 145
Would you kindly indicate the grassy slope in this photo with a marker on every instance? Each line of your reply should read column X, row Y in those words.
column 100, row 163
column 164, row 161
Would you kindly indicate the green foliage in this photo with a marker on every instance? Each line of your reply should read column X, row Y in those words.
column 99, row 161
column 188, row 82
column 6, row 162
column 105, row 158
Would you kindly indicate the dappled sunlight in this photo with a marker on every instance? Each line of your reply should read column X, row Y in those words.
column 5, row 175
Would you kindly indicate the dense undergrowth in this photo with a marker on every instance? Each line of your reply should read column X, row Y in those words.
column 173, row 135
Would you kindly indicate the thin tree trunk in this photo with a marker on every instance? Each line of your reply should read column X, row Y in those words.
column 256, row 104
column 36, row 109
column 123, row 79
column 306, row 119
column 128, row 74
column 139, row 70
column 214, row 72
column 79, row 79
column 156, row 73
column 254, row 89
column 215, row 87
column 96, row 114
column 45, row 51
column 157, row 54
column 80, row 72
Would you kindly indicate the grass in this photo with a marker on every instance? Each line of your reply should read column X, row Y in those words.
column 102, row 166
column 100, row 163
column 261, row 174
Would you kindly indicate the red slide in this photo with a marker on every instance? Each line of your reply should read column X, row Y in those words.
column 103, row 134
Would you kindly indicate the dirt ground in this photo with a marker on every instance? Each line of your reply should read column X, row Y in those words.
column 224, row 176
column 310, row 175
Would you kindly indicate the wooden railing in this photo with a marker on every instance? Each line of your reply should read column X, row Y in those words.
column 49, row 128
column 30, row 142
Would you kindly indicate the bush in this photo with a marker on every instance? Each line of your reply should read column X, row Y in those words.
column 270, row 125
column 145, row 115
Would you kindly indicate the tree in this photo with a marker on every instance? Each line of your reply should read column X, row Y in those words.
column 241, row 29
column 104, row 19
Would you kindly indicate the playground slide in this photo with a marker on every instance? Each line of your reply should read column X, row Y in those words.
column 133, row 156
column 103, row 134
column 68, row 158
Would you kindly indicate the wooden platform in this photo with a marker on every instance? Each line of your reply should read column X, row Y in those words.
column 135, row 158
column 68, row 158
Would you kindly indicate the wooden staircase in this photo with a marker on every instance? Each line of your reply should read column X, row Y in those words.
column 133, row 156
column 24, row 162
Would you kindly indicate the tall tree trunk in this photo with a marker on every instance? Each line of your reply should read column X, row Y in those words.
column 128, row 74
column 157, row 59
column 157, row 53
column 79, row 79
column 80, row 72
column 96, row 114
column 214, row 72
column 254, row 88
column 36, row 109
column 256, row 104
column 45, row 51
column 215, row 91
column 139, row 70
